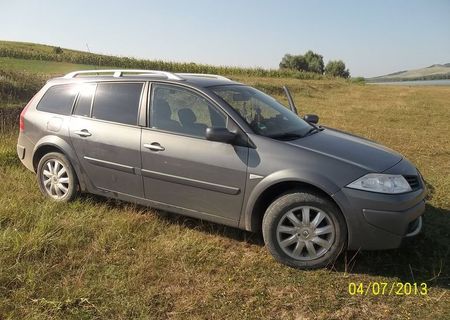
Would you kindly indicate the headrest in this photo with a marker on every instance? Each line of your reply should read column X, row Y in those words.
column 161, row 109
column 186, row 116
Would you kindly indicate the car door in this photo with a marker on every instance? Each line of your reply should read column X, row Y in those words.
column 183, row 169
column 106, row 138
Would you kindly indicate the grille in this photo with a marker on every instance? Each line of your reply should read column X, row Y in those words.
column 413, row 181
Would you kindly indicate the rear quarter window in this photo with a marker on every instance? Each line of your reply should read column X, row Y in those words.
column 58, row 99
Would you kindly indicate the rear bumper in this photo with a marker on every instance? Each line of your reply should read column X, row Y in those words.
column 21, row 151
column 379, row 221
column 25, row 151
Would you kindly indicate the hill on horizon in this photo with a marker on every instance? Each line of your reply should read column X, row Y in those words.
column 433, row 72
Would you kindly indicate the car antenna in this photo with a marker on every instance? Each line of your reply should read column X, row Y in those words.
column 87, row 46
column 290, row 100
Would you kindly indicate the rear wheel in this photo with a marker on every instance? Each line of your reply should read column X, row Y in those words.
column 304, row 230
column 56, row 177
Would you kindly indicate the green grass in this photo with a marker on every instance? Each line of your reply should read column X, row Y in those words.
column 96, row 258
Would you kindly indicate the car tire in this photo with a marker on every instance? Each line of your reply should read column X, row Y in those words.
column 56, row 177
column 304, row 230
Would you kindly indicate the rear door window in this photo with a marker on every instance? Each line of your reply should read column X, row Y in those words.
column 117, row 102
column 58, row 99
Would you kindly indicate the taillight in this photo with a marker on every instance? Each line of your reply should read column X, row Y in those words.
column 22, row 114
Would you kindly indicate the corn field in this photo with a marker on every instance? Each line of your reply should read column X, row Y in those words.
column 18, row 86
column 48, row 53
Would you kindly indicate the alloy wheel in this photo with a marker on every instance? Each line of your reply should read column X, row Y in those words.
column 55, row 178
column 305, row 233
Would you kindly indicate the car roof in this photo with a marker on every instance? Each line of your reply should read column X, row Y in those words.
column 196, row 79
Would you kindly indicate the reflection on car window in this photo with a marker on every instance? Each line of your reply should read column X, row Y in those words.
column 84, row 101
column 182, row 111
column 58, row 99
column 263, row 113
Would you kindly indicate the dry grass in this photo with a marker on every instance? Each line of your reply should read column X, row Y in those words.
column 95, row 258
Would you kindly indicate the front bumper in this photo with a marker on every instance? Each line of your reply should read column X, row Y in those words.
column 378, row 221
column 414, row 227
column 395, row 222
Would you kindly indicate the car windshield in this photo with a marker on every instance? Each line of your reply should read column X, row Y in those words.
column 265, row 115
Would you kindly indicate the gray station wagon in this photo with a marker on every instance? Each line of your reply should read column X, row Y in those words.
column 214, row 149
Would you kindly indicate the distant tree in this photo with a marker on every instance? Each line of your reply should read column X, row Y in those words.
column 294, row 62
column 314, row 61
column 290, row 62
column 57, row 50
column 311, row 62
column 336, row 68
column 299, row 63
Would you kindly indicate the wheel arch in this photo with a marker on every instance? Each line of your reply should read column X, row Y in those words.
column 266, row 192
column 56, row 144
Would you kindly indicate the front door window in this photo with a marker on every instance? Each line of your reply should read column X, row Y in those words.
column 180, row 110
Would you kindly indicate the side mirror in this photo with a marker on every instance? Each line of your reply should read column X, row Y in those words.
column 312, row 118
column 220, row 135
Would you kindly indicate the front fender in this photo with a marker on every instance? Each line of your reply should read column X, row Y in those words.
column 288, row 175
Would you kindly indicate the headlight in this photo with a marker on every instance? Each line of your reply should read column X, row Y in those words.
column 382, row 183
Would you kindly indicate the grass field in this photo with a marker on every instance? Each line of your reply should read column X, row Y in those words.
column 42, row 67
column 96, row 258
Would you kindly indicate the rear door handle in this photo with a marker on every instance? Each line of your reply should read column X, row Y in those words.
column 83, row 133
column 154, row 146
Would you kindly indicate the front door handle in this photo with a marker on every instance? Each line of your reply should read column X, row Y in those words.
column 83, row 133
column 154, row 146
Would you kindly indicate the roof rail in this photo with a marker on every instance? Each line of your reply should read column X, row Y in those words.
column 117, row 73
column 206, row 75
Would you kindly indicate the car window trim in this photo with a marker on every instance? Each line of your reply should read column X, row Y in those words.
column 92, row 101
column 107, row 121
column 142, row 112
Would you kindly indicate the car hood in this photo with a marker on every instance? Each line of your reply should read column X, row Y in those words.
column 349, row 148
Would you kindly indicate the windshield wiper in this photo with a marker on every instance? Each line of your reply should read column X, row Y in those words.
column 312, row 131
column 293, row 135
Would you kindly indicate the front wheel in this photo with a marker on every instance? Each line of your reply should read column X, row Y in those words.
column 304, row 230
column 56, row 177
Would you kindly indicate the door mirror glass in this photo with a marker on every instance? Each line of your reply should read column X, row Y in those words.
column 312, row 118
column 220, row 135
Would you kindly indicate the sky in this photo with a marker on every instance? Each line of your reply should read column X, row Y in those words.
column 372, row 37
